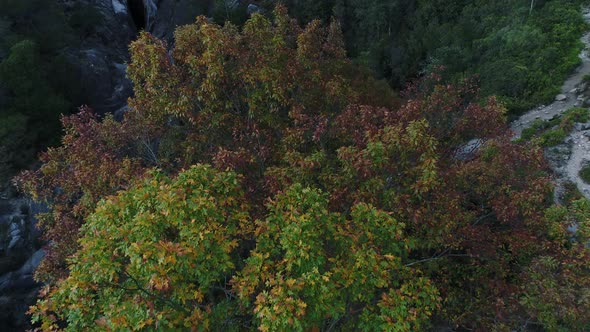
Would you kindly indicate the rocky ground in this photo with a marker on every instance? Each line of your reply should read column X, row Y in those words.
column 567, row 158
column 20, row 254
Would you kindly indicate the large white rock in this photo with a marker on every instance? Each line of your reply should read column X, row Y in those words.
column 467, row 151
column 120, row 6
column 252, row 9
column 560, row 97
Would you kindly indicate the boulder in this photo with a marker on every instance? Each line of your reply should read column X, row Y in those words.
column 252, row 9
column 560, row 97
column 467, row 151
column 120, row 7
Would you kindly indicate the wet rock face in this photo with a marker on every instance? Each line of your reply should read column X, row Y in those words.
column 137, row 11
column 98, row 60
column 20, row 254
column 173, row 13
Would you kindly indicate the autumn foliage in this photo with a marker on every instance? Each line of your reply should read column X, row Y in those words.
column 319, row 201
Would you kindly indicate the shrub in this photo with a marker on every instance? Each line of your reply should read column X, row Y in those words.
column 573, row 115
column 537, row 126
column 585, row 173
column 553, row 137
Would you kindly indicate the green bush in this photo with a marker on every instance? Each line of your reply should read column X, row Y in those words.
column 521, row 56
column 563, row 125
column 536, row 127
column 35, row 78
column 570, row 193
column 553, row 137
column 572, row 116
column 16, row 150
column 585, row 173
column 84, row 19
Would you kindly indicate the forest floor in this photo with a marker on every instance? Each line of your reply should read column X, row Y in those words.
column 567, row 159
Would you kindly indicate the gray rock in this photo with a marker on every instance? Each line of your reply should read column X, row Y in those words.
column 232, row 4
column 29, row 267
column 252, row 9
column 120, row 7
column 94, row 59
column 5, row 281
column 5, row 206
column 560, row 97
column 15, row 242
column 151, row 11
column 573, row 91
column 14, row 229
column 468, row 150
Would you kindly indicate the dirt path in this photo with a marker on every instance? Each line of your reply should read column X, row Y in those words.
column 572, row 95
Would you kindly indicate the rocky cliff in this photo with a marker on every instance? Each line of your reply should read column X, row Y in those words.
column 101, row 57
column 99, row 63
column 20, row 254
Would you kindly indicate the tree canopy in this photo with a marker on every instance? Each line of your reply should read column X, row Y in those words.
column 319, row 200
column 520, row 50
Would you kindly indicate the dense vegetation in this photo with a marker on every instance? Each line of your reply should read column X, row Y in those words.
column 519, row 53
column 262, row 181
column 36, row 81
column 553, row 132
